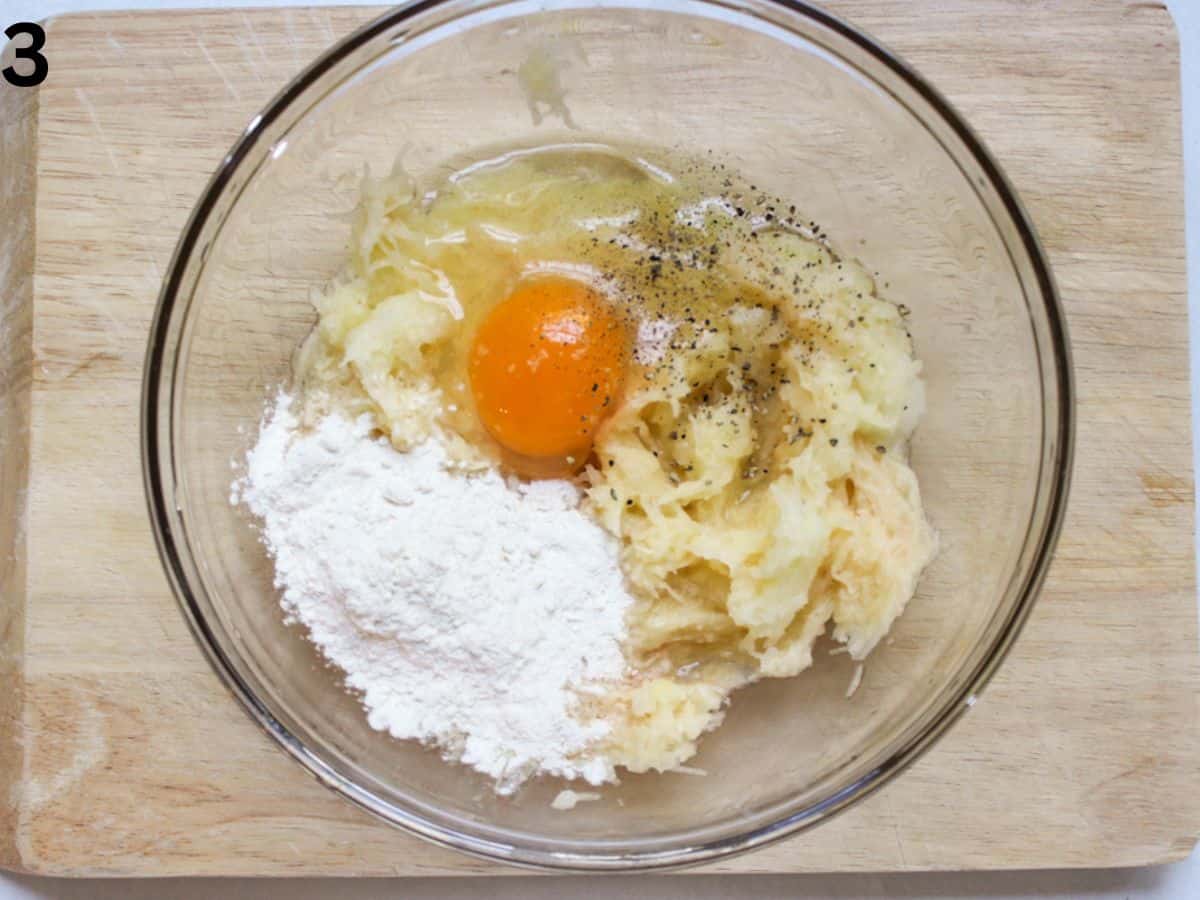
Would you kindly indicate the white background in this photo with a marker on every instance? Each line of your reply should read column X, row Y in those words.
column 1178, row 882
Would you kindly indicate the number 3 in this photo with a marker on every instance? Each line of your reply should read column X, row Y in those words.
column 37, row 40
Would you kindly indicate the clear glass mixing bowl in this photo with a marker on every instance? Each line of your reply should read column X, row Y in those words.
column 811, row 110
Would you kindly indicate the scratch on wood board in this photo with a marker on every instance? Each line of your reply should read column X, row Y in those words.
column 82, row 96
column 229, row 86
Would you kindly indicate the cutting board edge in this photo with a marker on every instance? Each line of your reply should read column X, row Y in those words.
column 18, row 189
column 1174, row 851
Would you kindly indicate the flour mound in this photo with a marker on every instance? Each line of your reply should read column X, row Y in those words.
column 464, row 610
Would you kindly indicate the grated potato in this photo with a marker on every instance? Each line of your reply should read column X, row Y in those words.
column 755, row 468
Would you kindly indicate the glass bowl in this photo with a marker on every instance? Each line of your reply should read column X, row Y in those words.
column 810, row 109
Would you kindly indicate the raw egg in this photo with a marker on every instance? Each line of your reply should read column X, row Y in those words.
column 546, row 366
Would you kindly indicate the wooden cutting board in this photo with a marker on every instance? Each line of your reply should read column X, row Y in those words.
column 123, row 754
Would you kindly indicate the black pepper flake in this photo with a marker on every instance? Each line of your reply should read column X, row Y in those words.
column 833, row 442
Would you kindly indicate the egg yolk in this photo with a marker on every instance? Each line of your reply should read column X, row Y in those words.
column 545, row 366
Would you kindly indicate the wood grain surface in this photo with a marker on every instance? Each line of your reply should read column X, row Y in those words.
column 18, row 115
column 121, row 753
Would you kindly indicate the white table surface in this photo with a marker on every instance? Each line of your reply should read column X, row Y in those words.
column 1177, row 882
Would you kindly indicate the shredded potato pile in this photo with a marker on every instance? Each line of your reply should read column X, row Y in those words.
column 754, row 468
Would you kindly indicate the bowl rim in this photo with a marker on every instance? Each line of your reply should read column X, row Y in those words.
column 1057, row 449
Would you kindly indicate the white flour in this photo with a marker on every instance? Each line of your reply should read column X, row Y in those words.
column 461, row 608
